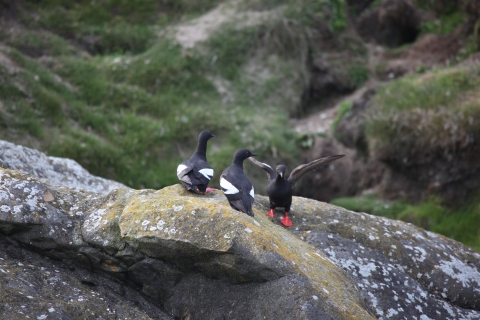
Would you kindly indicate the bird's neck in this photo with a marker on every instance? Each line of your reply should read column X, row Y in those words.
column 202, row 149
column 201, row 154
column 279, row 179
column 238, row 163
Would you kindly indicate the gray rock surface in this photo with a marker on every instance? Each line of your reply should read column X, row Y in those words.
column 54, row 170
column 403, row 271
column 178, row 250
column 140, row 254
column 36, row 287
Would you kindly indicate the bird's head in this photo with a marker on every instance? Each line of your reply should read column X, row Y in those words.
column 205, row 135
column 243, row 154
column 281, row 170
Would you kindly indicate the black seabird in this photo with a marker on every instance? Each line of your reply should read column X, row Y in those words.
column 195, row 173
column 235, row 184
column 280, row 190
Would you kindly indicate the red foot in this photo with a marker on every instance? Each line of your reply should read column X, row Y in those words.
column 286, row 221
column 271, row 213
column 209, row 190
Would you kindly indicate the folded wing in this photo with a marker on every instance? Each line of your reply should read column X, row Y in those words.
column 239, row 193
column 203, row 172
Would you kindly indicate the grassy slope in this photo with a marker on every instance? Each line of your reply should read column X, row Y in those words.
column 97, row 81
column 92, row 81
column 436, row 111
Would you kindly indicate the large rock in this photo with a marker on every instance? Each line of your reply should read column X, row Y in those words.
column 56, row 171
column 193, row 257
column 170, row 239
column 403, row 271
column 36, row 287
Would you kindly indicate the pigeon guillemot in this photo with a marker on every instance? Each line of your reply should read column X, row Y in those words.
column 235, row 184
column 195, row 173
column 280, row 190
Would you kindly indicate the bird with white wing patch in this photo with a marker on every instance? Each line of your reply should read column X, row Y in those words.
column 195, row 173
column 235, row 184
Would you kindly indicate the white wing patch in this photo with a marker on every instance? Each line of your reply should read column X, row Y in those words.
column 208, row 173
column 180, row 168
column 267, row 165
column 229, row 188
column 252, row 193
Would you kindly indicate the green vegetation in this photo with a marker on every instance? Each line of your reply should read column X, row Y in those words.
column 109, row 26
column 133, row 110
column 395, row 52
column 375, row 3
column 434, row 111
column 380, row 69
column 230, row 49
column 460, row 224
column 264, row 63
column 342, row 111
column 358, row 74
column 123, row 120
column 445, row 24
column 306, row 12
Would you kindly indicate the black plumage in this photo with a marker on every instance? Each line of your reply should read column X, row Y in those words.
column 195, row 173
column 235, row 184
column 280, row 190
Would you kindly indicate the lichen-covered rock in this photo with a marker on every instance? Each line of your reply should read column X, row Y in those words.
column 403, row 271
column 202, row 234
column 35, row 212
column 157, row 239
column 56, row 171
column 193, row 257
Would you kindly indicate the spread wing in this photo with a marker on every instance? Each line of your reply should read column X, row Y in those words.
column 264, row 166
column 303, row 169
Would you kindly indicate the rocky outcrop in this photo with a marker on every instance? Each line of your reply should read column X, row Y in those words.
column 173, row 254
column 36, row 287
column 355, row 172
column 402, row 271
column 173, row 246
column 56, row 171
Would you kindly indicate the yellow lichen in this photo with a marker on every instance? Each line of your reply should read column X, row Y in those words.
column 209, row 223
